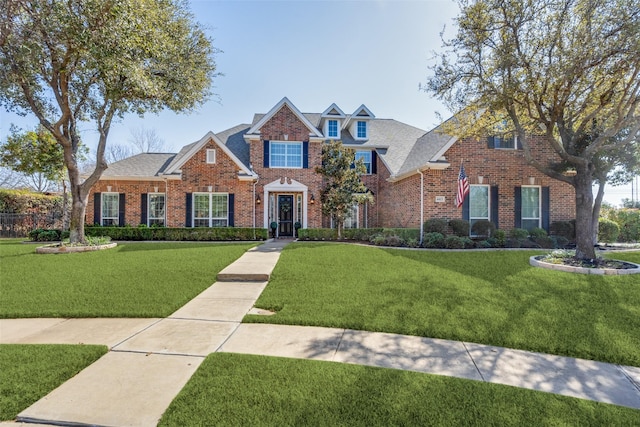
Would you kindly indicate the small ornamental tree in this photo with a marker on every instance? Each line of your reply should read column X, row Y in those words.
column 343, row 187
column 69, row 62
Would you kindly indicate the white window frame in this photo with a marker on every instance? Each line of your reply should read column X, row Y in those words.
column 115, row 220
column 366, row 129
column 522, row 198
column 367, row 164
column 328, row 130
column 472, row 218
column 209, row 220
column 287, row 145
column 151, row 220
column 211, row 156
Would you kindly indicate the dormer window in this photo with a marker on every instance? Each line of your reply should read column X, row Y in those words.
column 361, row 129
column 332, row 129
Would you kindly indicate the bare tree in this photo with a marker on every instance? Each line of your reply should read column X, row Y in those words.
column 146, row 140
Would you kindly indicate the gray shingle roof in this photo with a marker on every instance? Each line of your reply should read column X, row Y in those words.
column 403, row 148
column 142, row 165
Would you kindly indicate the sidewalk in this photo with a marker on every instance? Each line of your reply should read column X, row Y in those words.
column 152, row 359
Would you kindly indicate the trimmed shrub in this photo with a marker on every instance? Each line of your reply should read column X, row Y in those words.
column 501, row 238
column 559, row 242
column 518, row 233
column 360, row 234
column 545, row 242
column 177, row 234
column 378, row 240
column 435, row 225
column 393, row 241
column 484, row 244
column 566, row 229
column 538, row 232
column 433, row 240
column 460, row 227
column 413, row 243
column 608, row 231
column 454, row 242
column 483, row 228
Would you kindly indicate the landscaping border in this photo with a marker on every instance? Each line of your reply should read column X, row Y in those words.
column 534, row 261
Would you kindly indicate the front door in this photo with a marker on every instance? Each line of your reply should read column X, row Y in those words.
column 285, row 215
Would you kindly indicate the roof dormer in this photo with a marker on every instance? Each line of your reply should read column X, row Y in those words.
column 358, row 123
column 331, row 122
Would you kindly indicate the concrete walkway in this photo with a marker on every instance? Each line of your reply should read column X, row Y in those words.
column 150, row 360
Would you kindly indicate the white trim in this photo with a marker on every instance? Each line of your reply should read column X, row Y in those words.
column 286, row 186
column 325, row 128
column 333, row 106
column 285, row 101
column 211, row 153
column 428, row 166
column 117, row 217
column 287, row 143
column 444, row 149
column 210, row 136
column 539, row 218
column 164, row 218
column 209, row 218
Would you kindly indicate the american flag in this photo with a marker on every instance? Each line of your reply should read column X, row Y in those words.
column 463, row 187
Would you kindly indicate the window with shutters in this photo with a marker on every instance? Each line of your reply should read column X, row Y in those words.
column 110, row 209
column 285, row 155
column 210, row 209
column 156, row 209
column 479, row 204
column 530, row 207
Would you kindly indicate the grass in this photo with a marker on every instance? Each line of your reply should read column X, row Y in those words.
column 492, row 298
column 238, row 390
column 29, row 372
column 131, row 280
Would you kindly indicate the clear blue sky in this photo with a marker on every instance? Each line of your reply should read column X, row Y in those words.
column 315, row 53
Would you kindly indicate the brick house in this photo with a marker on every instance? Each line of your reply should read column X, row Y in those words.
column 254, row 174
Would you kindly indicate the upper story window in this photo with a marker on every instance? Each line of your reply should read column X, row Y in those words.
column 504, row 136
column 361, row 129
column 211, row 156
column 332, row 129
column 366, row 159
column 285, row 154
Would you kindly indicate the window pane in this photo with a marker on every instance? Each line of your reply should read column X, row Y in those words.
column 201, row 206
column 294, row 155
column 351, row 221
column 219, row 206
column 362, row 129
column 278, row 154
column 529, row 224
column 156, row 206
column 479, row 202
column 333, row 128
column 531, row 202
column 366, row 158
column 110, row 208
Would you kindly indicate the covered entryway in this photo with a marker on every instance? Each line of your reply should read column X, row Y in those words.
column 286, row 204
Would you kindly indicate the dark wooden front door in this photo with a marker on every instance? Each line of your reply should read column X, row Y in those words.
column 285, row 214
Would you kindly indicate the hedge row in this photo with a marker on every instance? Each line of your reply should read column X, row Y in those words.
column 176, row 234
column 27, row 202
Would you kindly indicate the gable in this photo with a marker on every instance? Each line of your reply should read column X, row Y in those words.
column 281, row 109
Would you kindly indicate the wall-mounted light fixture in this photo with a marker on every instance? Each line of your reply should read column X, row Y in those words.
column 312, row 200
column 258, row 200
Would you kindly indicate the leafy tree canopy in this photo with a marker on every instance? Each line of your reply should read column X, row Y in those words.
column 77, row 61
column 565, row 69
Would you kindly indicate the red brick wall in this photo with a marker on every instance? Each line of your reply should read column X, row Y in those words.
column 507, row 169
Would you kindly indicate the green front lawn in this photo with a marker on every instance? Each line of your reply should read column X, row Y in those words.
column 491, row 298
column 242, row 390
column 131, row 280
column 29, row 372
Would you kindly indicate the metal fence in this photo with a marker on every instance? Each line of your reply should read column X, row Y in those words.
column 19, row 225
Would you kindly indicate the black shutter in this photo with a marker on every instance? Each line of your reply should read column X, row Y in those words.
column 266, row 154
column 143, row 208
column 374, row 162
column 494, row 206
column 187, row 208
column 517, row 209
column 465, row 208
column 121, row 218
column 491, row 142
column 305, row 154
column 96, row 208
column 545, row 205
column 232, row 211
column 518, row 143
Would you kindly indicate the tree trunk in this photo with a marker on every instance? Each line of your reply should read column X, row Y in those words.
column 78, row 209
column 584, row 216
column 596, row 211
